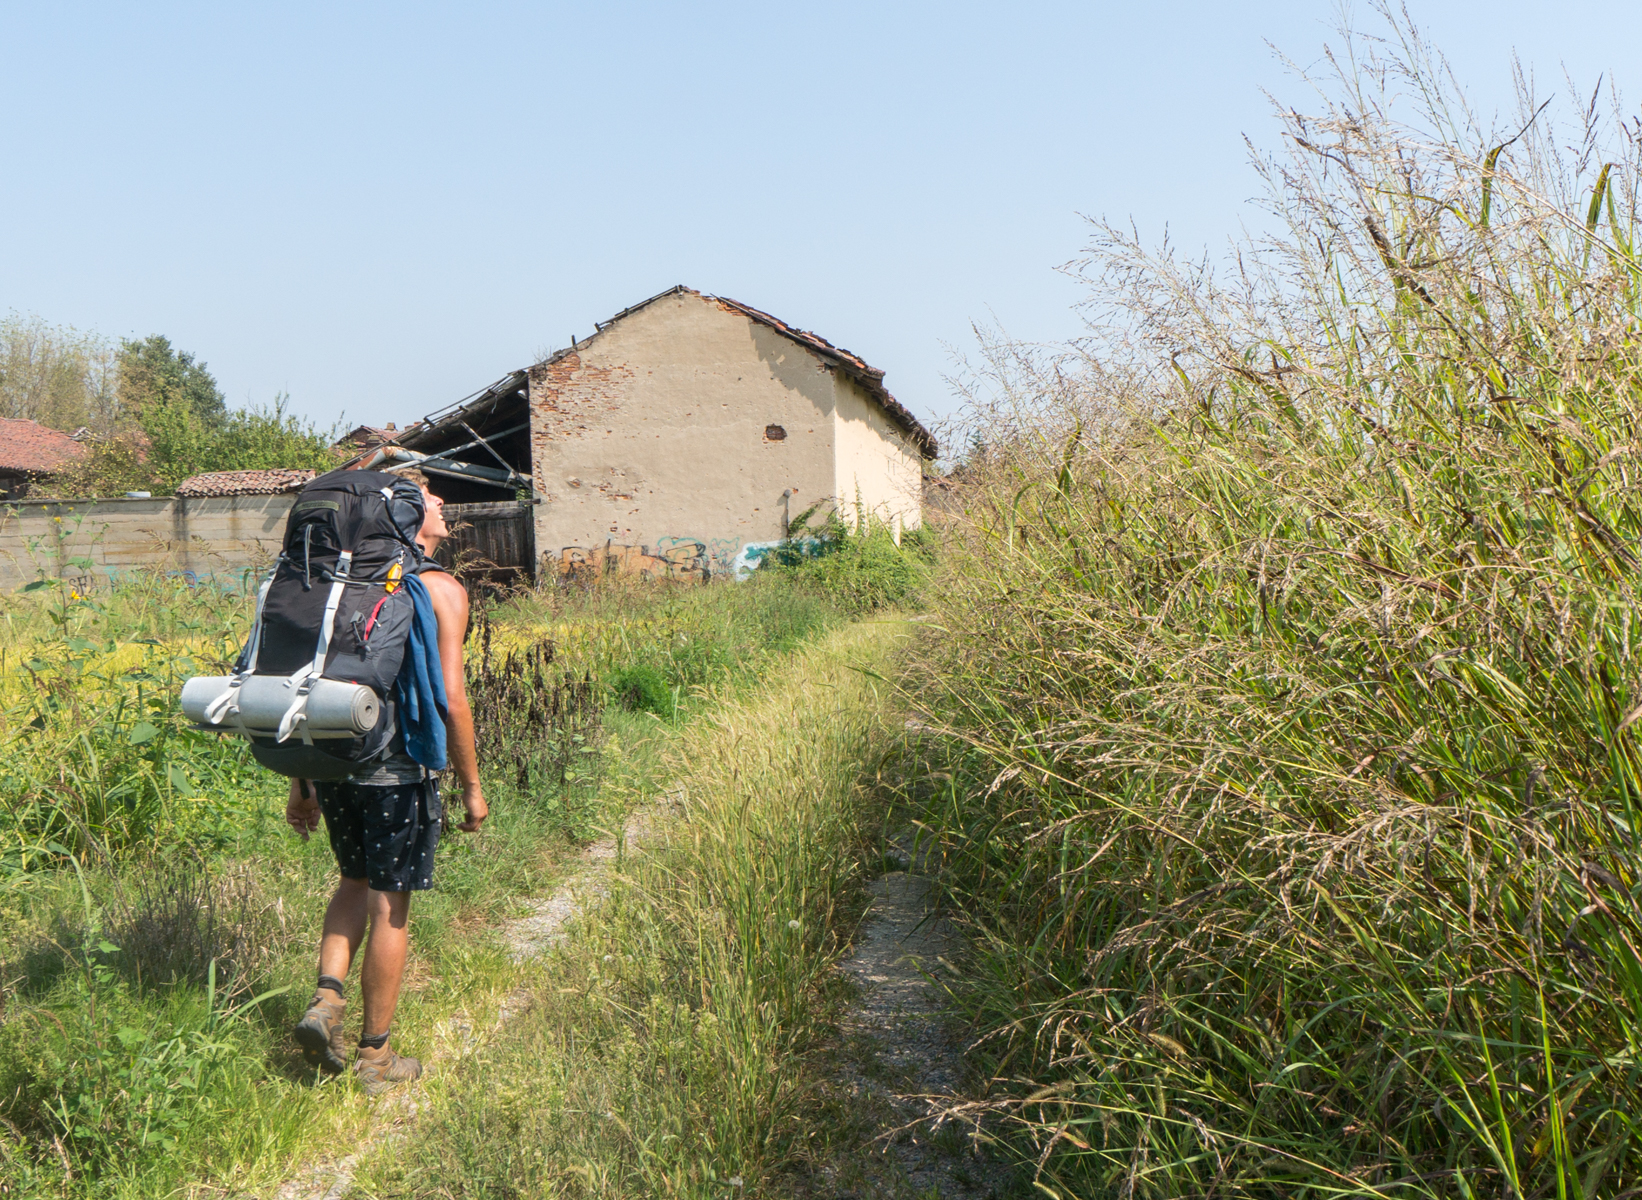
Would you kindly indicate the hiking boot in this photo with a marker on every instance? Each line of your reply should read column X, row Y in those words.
column 319, row 1033
column 379, row 1072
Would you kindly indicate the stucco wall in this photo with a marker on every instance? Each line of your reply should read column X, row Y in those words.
column 204, row 537
column 879, row 472
column 650, row 448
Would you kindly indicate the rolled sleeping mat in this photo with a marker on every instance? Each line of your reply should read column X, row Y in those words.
column 335, row 709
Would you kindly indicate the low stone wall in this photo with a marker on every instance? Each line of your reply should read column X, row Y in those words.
column 203, row 538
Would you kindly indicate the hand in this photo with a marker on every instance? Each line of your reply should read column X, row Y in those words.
column 302, row 809
column 474, row 801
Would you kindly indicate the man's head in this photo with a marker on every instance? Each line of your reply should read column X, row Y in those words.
column 434, row 530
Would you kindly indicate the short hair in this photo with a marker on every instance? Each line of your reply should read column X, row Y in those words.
column 415, row 476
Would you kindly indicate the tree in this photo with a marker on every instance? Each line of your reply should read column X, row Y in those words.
column 156, row 414
column 57, row 375
column 153, row 374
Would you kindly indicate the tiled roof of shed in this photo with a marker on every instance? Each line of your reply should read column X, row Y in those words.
column 372, row 435
column 35, row 448
column 245, row 483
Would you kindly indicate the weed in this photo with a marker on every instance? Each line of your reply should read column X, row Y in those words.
column 643, row 688
column 861, row 567
column 536, row 723
column 175, row 922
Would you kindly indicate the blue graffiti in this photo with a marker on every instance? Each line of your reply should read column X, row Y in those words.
column 750, row 557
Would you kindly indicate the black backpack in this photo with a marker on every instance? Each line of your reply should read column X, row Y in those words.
column 313, row 688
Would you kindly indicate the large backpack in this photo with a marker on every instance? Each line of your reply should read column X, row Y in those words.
column 313, row 688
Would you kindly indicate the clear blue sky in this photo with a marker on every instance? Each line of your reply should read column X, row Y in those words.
column 380, row 208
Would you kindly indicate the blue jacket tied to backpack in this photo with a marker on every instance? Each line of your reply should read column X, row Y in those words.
column 420, row 688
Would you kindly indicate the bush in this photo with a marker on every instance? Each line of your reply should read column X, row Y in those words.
column 860, row 568
column 97, row 755
column 174, row 921
column 641, row 688
column 536, row 724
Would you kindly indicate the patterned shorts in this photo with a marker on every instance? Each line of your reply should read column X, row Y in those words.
column 384, row 835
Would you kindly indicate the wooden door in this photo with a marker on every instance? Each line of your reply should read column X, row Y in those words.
column 491, row 544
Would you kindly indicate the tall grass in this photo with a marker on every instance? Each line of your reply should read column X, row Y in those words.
column 1287, row 642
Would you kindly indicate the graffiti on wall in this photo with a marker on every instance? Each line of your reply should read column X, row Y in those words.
column 748, row 558
column 680, row 559
column 684, row 559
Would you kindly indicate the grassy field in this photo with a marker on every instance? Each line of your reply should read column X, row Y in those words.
column 160, row 922
column 1291, row 783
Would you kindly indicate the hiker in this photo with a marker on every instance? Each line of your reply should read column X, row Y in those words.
column 383, row 825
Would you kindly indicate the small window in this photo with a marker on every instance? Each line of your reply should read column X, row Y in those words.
column 774, row 433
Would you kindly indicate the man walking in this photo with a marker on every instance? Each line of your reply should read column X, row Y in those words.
column 383, row 826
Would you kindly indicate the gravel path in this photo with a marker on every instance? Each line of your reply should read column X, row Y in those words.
column 900, row 1065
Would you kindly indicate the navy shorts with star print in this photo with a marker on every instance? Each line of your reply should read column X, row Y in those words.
column 383, row 835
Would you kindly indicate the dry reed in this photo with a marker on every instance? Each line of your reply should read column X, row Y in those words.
column 1287, row 639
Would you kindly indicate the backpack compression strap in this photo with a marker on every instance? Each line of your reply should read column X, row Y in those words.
column 227, row 704
column 310, row 674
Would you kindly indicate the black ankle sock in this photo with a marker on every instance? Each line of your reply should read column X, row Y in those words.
column 374, row 1043
column 332, row 982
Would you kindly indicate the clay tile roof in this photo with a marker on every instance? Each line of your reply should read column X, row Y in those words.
column 371, row 436
column 870, row 378
column 35, row 448
column 245, row 483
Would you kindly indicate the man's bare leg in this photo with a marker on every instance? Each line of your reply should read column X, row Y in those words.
column 319, row 1033
column 383, row 970
column 379, row 1066
column 344, row 927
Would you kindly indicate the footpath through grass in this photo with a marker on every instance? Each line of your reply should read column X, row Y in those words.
column 665, row 1050
column 160, row 922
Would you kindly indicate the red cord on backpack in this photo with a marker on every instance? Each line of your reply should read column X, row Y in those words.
column 372, row 621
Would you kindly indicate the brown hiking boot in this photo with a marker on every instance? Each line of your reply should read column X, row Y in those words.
column 319, row 1033
column 379, row 1072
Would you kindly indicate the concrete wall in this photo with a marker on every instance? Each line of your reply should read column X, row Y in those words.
column 879, row 473
column 650, row 443
column 223, row 536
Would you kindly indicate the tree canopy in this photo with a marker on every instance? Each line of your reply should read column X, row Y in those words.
column 154, row 413
column 152, row 373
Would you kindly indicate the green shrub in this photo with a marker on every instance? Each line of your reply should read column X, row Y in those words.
column 860, row 569
column 641, row 688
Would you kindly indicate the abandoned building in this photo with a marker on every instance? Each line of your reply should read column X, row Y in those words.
column 681, row 440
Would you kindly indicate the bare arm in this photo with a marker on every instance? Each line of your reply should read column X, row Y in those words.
column 450, row 606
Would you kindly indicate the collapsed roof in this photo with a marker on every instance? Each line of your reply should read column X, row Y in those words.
column 471, row 409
